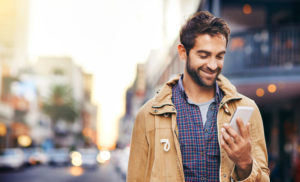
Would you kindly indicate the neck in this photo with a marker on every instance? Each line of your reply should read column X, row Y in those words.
column 195, row 92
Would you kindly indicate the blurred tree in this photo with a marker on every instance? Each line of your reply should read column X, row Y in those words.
column 60, row 105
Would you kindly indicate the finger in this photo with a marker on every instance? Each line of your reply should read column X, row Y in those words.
column 227, row 138
column 248, row 128
column 234, row 134
column 225, row 146
column 242, row 128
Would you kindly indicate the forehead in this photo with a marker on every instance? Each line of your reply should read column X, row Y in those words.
column 210, row 43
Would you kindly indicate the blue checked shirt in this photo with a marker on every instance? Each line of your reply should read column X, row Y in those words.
column 199, row 144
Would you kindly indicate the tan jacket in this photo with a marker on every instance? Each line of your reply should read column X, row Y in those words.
column 149, row 160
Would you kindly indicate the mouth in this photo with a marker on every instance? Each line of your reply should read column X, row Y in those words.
column 209, row 73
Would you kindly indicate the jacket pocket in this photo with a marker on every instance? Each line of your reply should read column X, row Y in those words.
column 165, row 157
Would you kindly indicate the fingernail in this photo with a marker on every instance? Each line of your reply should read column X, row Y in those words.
column 222, row 129
column 226, row 124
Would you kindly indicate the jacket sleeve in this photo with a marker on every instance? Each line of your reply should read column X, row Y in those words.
column 260, row 171
column 138, row 151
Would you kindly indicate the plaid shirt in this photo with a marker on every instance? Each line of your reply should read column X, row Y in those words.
column 199, row 144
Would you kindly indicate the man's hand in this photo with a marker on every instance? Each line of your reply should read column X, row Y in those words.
column 238, row 147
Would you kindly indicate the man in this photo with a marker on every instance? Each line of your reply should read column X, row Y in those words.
column 182, row 134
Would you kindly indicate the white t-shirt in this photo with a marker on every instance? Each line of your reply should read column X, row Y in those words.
column 203, row 108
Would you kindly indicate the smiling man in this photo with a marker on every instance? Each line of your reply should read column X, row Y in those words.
column 183, row 133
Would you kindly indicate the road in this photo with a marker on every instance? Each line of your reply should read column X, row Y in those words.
column 104, row 173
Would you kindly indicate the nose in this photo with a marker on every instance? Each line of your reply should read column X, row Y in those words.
column 212, row 64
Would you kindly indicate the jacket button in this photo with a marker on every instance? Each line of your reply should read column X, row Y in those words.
column 173, row 109
column 224, row 175
column 155, row 110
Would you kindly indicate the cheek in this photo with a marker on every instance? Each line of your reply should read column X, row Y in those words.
column 197, row 62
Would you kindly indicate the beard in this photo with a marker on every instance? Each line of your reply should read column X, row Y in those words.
column 195, row 74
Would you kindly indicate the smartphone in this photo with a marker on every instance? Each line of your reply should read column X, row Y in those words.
column 243, row 112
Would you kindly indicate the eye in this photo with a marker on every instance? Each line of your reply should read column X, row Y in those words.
column 220, row 57
column 203, row 56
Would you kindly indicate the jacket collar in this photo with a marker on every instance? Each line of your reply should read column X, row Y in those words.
column 163, row 100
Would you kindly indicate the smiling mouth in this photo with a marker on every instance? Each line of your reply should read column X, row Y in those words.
column 209, row 72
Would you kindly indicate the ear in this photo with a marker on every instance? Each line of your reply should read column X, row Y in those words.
column 182, row 52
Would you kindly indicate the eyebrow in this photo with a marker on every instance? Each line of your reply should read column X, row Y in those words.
column 207, row 52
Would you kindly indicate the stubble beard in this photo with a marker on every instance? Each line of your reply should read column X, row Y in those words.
column 195, row 75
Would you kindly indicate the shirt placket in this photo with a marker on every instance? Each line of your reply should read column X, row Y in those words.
column 201, row 138
column 202, row 134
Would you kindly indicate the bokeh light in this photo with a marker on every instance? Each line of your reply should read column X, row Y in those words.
column 76, row 159
column 272, row 88
column 2, row 129
column 247, row 9
column 76, row 171
column 260, row 92
column 103, row 156
column 24, row 140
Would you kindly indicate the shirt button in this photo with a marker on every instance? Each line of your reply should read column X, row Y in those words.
column 206, row 130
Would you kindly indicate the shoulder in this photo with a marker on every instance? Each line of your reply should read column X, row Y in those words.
column 144, row 113
column 246, row 100
column 146, row 108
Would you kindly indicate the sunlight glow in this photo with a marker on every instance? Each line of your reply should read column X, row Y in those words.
column 105, row 38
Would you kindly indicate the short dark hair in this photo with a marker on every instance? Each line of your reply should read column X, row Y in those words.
column 202, row 22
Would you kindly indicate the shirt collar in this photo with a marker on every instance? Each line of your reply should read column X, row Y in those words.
column 218, row 96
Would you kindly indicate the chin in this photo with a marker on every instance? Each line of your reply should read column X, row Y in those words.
column 209, row 83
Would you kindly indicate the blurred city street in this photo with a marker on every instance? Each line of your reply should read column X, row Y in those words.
column 74, row 75
column 104, row 173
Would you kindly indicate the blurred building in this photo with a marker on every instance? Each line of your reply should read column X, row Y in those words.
column 263, row 61
column 135, row 97
column 55, row 71
column 174, row 14
column 13, row 34
column 13, row 57
column 59, row 71
column 25, row 95
column 89, row 112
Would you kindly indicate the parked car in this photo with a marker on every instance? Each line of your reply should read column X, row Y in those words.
column 12, row 158
column 27, row 153
column 59, row 157
column 39, row 156
column 34, row 156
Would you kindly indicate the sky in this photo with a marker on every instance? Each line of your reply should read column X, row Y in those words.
column 107, row 38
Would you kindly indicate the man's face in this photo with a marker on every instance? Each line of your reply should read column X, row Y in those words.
column 206, row 58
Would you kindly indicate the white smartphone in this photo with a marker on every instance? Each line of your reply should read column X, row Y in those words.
column 243, row 112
